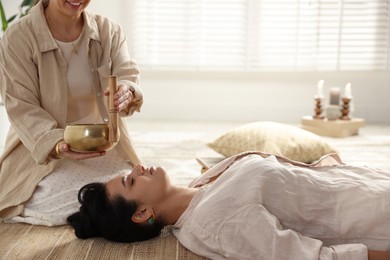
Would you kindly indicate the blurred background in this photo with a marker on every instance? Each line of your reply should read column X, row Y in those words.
column 254, row 60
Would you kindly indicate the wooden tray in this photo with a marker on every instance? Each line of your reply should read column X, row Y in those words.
column 332, row 128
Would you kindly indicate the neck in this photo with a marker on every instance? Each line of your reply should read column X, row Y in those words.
column 174, row 206
column 63, row 28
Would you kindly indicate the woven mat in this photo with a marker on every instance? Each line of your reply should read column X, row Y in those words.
column 22, row 241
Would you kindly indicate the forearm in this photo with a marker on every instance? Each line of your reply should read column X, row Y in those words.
column 127, row 71
column 378, row 255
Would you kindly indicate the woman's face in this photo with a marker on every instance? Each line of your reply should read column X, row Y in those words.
column 144, row 185
column 70, row 7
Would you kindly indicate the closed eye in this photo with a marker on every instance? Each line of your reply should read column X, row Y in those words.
column 124, row 181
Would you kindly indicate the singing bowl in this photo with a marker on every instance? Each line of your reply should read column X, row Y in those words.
column 88, row 137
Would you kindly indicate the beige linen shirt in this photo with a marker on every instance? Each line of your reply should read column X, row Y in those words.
column 34, row 90
column 272, row 208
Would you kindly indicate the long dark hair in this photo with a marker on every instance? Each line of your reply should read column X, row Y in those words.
column 100, row 216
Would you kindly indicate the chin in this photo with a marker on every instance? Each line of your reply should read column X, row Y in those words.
column 161, row 171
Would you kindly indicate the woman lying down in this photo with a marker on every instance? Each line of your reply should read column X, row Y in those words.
column 249, row 206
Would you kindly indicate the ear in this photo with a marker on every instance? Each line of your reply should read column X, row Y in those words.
column 142, row 214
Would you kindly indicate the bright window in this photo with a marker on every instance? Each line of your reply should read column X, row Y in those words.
column 261, row 35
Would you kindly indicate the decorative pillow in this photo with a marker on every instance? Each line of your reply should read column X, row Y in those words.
column 275, row 138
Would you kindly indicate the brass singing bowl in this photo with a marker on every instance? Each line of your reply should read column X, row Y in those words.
column 88, row 137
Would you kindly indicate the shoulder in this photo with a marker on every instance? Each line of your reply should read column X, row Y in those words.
column 20, row 29
column 19, row 37
column 25, row 32
column 103, row 24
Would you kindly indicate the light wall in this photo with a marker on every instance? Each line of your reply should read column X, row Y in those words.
column 216, row 96
column 284, row 97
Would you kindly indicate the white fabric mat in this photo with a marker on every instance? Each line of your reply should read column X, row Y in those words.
column 175, row 145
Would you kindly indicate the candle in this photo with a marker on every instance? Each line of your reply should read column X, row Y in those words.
column 347, row 91
column 320, row 88
column 334, row 96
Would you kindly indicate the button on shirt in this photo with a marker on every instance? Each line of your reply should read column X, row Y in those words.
column 269, row 208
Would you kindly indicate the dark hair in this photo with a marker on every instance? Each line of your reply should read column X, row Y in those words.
column 100, row 216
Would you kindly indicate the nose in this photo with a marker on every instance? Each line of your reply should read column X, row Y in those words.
column 139, row 169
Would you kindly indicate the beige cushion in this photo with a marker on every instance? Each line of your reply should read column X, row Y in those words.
column 275, row 138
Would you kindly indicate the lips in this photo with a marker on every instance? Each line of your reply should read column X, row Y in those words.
column 152, row 170
column 75, row 4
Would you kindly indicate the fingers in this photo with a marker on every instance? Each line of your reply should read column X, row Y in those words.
column 64, row 147
column 106, row 92
column 83, row 156
column 123, row 97
column 122, row 91
column 66, row 152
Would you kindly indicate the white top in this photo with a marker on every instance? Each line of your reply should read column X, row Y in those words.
column 82, row 103
column 55, row 197
column 271, row 209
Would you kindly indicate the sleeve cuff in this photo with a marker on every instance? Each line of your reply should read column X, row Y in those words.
column 345, row 252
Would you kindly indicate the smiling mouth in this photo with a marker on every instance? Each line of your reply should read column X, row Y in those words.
column 75, row 4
